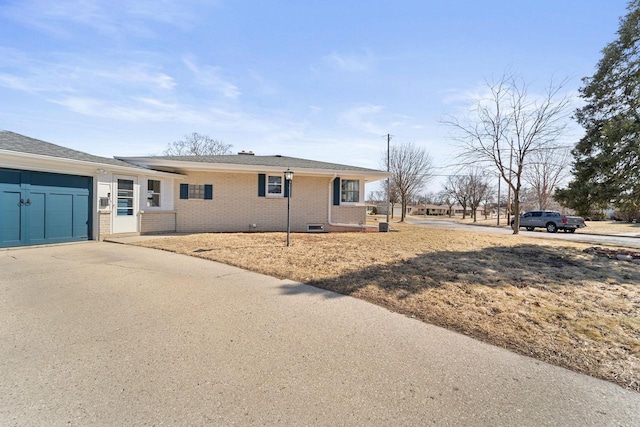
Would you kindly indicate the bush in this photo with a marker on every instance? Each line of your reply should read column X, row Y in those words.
column 627, row 216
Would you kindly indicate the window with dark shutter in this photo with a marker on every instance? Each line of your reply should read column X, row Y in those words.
column 184, row 191
column 262, row 180
column 336, row 192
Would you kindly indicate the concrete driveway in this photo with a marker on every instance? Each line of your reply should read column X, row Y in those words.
column 107, row 334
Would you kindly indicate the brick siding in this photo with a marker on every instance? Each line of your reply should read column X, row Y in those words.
column 236, row 205
column 157, row 222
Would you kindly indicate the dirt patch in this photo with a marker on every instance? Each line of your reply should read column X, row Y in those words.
column 548, row 300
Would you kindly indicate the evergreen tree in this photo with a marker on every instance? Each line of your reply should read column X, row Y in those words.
column 607, row 159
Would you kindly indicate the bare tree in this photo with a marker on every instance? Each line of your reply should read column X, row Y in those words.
column 197, row 145
column 458, row 187
column 411, row 169
column 446, row 198
column 394, row 196
column 478, row 188
column 545, row 171
column 512, row 124
column 488, row 199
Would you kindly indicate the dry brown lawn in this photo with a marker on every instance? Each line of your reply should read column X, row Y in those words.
column 544, row 299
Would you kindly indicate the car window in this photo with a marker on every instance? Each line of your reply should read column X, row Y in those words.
column 553, row 214
column 536, row 213
column 527, row 214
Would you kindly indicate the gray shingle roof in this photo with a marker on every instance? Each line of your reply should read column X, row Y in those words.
column 252, row 160
column 23, row 144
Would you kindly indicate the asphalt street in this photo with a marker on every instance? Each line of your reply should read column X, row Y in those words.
column 581, row 235
column 105, row 334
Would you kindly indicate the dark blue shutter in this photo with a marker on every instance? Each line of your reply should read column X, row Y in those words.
column 286, row 187
column 184, row 191
column 262, row 180
column 208, row 191
column 336, row 192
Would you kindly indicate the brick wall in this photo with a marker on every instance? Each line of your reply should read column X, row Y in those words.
column 237, row 207
column 157, row 222
column 104, row 224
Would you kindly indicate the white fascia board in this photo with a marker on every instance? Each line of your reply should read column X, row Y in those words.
column 16, row 160
column 181, row 166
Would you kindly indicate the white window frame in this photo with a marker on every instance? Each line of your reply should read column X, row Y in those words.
column 152, row 193
column 342, row 192
column 267, row 184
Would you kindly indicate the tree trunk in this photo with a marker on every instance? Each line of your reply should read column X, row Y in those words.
column 516, row 209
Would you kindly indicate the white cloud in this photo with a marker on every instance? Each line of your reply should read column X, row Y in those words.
column 362, row 118
column 116, row 18
column 373, row 119
column 136, row 74
column 353, row 63
column 210, row 77
column 65, row 73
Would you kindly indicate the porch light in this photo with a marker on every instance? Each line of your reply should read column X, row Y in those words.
column 288, row 177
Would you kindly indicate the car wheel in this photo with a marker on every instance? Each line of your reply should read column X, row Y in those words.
column 572, row 230
column 530, row 228
column 552, row 228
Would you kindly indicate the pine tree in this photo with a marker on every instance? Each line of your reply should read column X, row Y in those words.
column 607, row 158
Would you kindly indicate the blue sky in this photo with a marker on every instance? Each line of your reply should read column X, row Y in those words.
column 323, row 80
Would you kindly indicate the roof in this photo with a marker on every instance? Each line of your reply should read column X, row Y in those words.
column 11, row 141
column 251, row 160
column 428, row 206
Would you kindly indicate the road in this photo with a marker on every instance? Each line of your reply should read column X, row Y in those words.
column 580, row 236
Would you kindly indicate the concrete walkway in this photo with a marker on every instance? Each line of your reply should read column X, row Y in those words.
column 106, row 334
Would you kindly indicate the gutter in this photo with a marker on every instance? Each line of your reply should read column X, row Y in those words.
column 330, row 205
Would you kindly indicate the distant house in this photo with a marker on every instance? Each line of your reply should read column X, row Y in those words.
column 440, row 210
column 396, row 209
column 427, row 209
column 51, row 194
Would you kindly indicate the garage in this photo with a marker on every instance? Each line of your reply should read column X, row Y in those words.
column 42, row 207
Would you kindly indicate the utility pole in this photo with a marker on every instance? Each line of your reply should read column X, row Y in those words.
column 388, row 178
column 499, row 179
column 509, row 188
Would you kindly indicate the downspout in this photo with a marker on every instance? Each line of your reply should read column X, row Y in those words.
column 338, row 224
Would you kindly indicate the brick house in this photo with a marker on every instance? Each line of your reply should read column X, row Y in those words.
column 50, row 193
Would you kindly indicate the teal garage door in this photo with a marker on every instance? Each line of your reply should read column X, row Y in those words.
column 40, row 207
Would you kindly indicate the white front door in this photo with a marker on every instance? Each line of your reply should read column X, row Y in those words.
column 125, row 208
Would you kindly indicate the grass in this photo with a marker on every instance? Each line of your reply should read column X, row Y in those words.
column 548, row 300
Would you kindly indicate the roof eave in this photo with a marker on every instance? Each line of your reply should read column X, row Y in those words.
column 87, row 166
column 182, row 166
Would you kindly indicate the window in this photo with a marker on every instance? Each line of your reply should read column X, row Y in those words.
column 274, row 185
column 350, row 191
column 196, row 191
column 153, row 193
column 125, row 197
column 536, row 214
